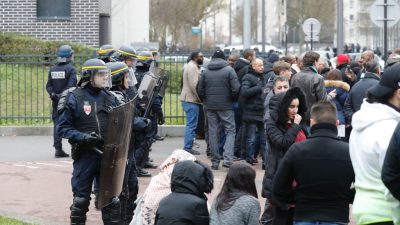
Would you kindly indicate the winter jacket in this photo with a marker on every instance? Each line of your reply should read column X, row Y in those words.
column 391, row 165
column 312, row 84
column 241, row 68
column 373, row 126
column 191, row 76
column 342, row 91
column 187, row 204
column 61, row 77
column 218, row 86
column 251, row 95
column 357, row 93
column 279, row 137
column 323, row 177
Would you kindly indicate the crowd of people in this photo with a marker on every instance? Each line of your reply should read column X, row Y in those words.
column 326, row 138
column 322, row 133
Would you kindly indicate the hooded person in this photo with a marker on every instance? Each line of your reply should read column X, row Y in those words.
column 373, row 125
column 158, row 188
column 187, row 204
column 285, row 127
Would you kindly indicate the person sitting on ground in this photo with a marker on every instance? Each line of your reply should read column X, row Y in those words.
column 237, row 202
column 159, row 187
column 187, row 204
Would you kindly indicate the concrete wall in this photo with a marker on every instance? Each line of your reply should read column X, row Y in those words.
column 168, row 130
column 130, row 21
column 82, row 27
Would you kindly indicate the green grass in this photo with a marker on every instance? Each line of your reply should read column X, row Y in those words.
column 25, row 102
column 8, row 221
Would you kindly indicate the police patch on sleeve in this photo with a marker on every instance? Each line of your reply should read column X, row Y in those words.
column 58, row 75
column 87, row 108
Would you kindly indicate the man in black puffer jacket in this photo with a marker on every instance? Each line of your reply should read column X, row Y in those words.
column 187, row 204
column 218, row 88
column 252, row 99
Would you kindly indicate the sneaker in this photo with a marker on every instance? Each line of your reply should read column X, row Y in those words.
column 227, row 165
column 142, row 173
column 235, row 158
column 158, row 138
column 214, row 167
column 193, row 152
column 149, row 165
column 250, row 161
column 60, row 154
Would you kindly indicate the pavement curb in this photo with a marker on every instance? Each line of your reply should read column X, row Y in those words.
column 164, row 130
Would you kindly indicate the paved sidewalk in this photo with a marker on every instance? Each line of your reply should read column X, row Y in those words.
column 35, row 187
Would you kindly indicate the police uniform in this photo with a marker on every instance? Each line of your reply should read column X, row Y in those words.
column 61, row 77
column 83, row 121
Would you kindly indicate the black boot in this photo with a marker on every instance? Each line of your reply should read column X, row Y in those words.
column 149, row 165
column 111, row 214
column 142, row 173
column 79, row 208
column 60, row 154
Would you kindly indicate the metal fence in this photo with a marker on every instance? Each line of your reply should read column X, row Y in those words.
column 24, row 100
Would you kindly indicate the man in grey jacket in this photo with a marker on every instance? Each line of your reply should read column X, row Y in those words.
column 311, row 83
column 218, row 88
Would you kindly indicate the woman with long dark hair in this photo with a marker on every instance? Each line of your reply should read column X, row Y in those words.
column 237, row 202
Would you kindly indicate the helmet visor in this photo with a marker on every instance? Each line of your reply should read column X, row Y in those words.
column 132, row 78
column 102, row 79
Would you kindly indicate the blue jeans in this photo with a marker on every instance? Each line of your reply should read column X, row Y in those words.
column 315, row 223
column 192, row 115
column 252, row 128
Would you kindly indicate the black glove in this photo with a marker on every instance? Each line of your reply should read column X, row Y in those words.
column 161, row 119
column 148, row 124
column 54, row 96
column 91, row 139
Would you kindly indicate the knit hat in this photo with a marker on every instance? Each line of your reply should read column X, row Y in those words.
column 342, row 59
column 219, row 54
column 273, row 58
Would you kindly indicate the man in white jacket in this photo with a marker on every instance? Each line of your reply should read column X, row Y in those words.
column 373, row 126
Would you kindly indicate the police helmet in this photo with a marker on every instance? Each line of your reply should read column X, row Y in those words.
column 94, row 67
column 127, row 52
column 105, row 51
column 143, row 49
column 145, row 58
column 64, row 53
column 118, row 71
column 154, row 51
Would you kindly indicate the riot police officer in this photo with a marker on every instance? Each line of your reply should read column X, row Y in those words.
column 105, row 52
column 145, row 62
column 61, row 77
column 121, row 81
column 83, row 121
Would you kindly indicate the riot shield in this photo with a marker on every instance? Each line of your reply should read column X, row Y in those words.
column 162, row 78
column 147, row 85
column 115, row 152
column 162, row 84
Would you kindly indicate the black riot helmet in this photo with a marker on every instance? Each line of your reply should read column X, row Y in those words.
column 105, row 51
column 145, row 58
column 64, row 54
column 92, row 68
column 127, row 52
column 119, row 71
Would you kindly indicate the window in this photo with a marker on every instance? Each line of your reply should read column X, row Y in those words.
column 54, row 9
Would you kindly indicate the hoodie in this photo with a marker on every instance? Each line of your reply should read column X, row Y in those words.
column 373, row 126
column 218, row 87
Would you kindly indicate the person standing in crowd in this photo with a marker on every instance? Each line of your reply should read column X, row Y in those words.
column 291, row 60
column 233, row 58
column 61, row 77
column 366, row 57
column 190, row 99
column 373, row 125
column 332, row 82
column 280, row 84
column 343, row 63
column 83, row 121
column 251, row 94
column 219, row 88
column 187, row 204
column 285, row 127
column 323, row 176
column 242, row 64
column 393, row 58
column 359, row 90
column 237, row 203
column 311, row 83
